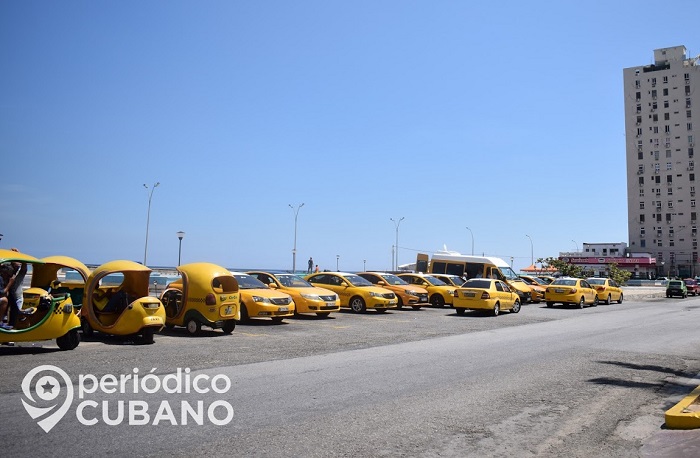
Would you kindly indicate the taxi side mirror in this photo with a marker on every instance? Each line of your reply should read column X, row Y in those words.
column 272, row 285
column 381, row 283
column 342, row 283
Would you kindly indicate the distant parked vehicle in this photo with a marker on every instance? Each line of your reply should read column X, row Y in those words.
column 608, row 290
column 676, row 288
column 692, row 286
column 486, row 294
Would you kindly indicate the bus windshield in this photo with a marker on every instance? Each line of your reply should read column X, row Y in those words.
column 509, row 273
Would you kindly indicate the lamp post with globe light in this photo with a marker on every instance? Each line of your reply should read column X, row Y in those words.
column 180, row 236
column 294, row 250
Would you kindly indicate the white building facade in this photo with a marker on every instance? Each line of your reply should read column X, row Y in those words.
column 662, row 125
column 596, row 258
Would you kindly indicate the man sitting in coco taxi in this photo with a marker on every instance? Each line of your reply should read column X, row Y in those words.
column 111, row 300
column 7, row 281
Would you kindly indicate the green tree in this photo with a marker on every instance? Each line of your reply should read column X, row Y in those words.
column 618, row 275
column 564, row 268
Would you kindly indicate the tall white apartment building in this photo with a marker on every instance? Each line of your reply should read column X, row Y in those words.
column 662, row 125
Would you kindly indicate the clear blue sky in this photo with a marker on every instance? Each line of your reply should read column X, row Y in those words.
column 506, row 117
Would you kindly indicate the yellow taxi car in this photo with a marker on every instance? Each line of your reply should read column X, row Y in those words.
column 486, row 294
column 454, row 280
column 537, row 290
column 307, row 297
column 608, row 290
column 567, row 290
column 260, row 301
column 410, row 295
column 439, row 292
column 355, row 292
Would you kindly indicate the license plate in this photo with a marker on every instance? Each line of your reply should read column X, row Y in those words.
column 558, row 290
column 469, row 294
column 330, row 304
column 283, row 309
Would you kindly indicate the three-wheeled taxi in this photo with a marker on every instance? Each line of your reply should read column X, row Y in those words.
column 62, row 275
column 117, row 301
column 45, row 315
column 205, row 295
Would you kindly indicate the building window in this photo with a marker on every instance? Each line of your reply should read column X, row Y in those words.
column 640, row 170
column 653, row 94
column 639, row 131
column 637, row 84
column 670, row 191
column 658, row 233
column 658, row 204
column 667, row 129
column 687, row 90
column 658, row 192
column 641, row 181
column 641, row 218
column 687, row 104
column 667, row 117
column 668, row 217
column 688, row 113
column 665, row 91
column 657, row 179
column 656, row 130
column 642, row 233
column 653, row 83
column 690, row 126
column 656, row 155
column 654, row 106
column 692, row 203
column 692, row 216
column 641, row 205
column 670, row 243
column 669, row 166
column 655, row 117
column 691, row 177
column 691, row 165
column 665, row 79
column 666, row 104
column 668, row 153
column 686, row 76
column 690, row 152
column 670, row 205
column 640, row 155
column 669, row 178
column 639, row 108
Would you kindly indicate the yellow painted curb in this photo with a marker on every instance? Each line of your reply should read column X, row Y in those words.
column 685, row 414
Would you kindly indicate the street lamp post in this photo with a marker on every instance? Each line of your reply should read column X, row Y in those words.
column 396, row 253
column 470, row 231
column 532, row 251
column 337, row 263
column 294, row 250
column 148, row 217
column 575, row 244
column 180, row 236
column 364, row 265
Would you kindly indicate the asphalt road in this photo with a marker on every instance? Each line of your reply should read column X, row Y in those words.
column 544, row 382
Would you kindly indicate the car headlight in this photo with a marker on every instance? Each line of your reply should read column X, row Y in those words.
column 451, row 292
column 373, row 294
column 264, row 300
column 311, row 297
column 410, row 292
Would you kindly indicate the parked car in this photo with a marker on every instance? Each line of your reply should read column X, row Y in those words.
column 536, row 290
column 410, row 295
column 260, row 301
column 676, row 288
column 355, row 292
column 454, row 280
column 608, row 290
column 486, row 294
column 567, row 290
column 439, row 292
column 307, row 297
column 692, row 286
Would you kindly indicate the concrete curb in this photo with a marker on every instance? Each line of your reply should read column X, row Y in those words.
column 685, row 414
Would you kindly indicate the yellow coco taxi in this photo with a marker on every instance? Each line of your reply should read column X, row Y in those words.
column 439, row 292
column 260, row 301
column 486, row 294
column 355, row 292
column 409, row 295
column 44, row 315
column 205, row 295
column 576, row 291
column 64, row 275
column 117, row 302
column 307, row 297
column 608, row 290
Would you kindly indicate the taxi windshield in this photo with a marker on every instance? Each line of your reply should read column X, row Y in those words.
column 564, row 282
column 394, row 280
column 248, row 282
column 292, row 281
column 356, row 280
column 596, row 281
column 434, row 281
column 508, row 273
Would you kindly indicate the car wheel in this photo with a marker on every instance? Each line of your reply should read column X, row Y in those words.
column 437, row 300
column 69, row 340
column 244, row 313
column 147, row 335
column 609, row 301
column 516, row 307
column 86, row 328
column 229, row 326
column 193, row 327
column 496, row 309
column 582, row 302
column 595, row 301
column 399, row 305
column 460, row 311
column 550, row 304
column 619, row 301
column 357, row 305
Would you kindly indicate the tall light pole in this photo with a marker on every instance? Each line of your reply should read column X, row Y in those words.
column 148, row 217
column 575, row 244
column 532, row 251
column 396, row 253
column 337, row 263
column 180, row 236
column 470, row 231
column 294, row 250
column 364, row 265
